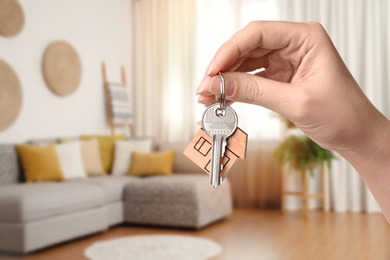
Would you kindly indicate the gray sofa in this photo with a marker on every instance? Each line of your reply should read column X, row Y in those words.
column 37, row 215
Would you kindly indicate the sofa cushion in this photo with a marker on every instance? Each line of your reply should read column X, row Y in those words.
column 112, row 186
column 157, row 163
column 106, row 147
column 69, row 155
column 9, row 165
column 179, row 200
column 176, row 188
column 90, row 154
column 29, row 201
column 40, row 163
column 181, row 163
column 124, row 150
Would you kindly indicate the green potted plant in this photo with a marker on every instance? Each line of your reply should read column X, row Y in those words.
column 301, row 153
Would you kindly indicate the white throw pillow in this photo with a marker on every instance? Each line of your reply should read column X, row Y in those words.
column 69, row 155
column 123, row 152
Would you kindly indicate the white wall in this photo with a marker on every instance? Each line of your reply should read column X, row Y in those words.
column 99, row 30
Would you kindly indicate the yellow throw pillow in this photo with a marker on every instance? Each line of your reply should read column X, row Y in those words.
column 106, row 147
column 40, row 163
column 152, row 163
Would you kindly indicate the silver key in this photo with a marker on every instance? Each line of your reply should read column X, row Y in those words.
column 219, row 123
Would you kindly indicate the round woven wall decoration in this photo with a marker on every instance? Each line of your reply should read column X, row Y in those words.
column 10, row 96
column 11, row 17
column 61, row 68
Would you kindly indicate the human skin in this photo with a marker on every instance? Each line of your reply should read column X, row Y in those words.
column 306, row 80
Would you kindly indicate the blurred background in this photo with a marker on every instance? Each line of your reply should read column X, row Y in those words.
column 176, row 41
column 165, row 47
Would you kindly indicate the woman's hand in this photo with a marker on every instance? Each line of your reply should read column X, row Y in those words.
column 304, row 79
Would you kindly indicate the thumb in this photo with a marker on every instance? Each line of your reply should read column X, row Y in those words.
column 252, row 89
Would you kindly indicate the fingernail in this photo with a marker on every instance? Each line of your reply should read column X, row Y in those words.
column 215, row 88
column 210, row 67
column 201, row 99
column 202, row 86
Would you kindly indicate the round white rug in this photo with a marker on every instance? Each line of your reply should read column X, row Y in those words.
column 154, row 247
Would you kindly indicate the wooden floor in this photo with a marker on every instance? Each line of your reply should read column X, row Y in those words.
column 256, row 234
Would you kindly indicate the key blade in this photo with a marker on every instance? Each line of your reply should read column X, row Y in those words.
column 215, row 168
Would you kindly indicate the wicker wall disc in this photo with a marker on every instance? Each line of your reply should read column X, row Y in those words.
column 11, row 17
column 61, row 68
column 10, row 96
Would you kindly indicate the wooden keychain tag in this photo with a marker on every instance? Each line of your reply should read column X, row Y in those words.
column 199, row 150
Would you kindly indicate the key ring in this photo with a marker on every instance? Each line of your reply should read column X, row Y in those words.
column 222, row 87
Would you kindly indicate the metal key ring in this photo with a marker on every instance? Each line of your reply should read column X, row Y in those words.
column 222, row 87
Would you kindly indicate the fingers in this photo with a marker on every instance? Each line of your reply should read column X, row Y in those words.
column 252, row 89
column 251, row 64
column 259, row 36
column 209, row 100
column 254, row 60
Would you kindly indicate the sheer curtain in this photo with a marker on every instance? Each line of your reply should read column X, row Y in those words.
column 173, row 41
column 360, row 32
column 162, row 70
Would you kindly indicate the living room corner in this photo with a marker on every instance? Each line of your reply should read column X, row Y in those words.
column 105, row 153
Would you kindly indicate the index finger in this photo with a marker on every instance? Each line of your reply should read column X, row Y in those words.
column 267, row 35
